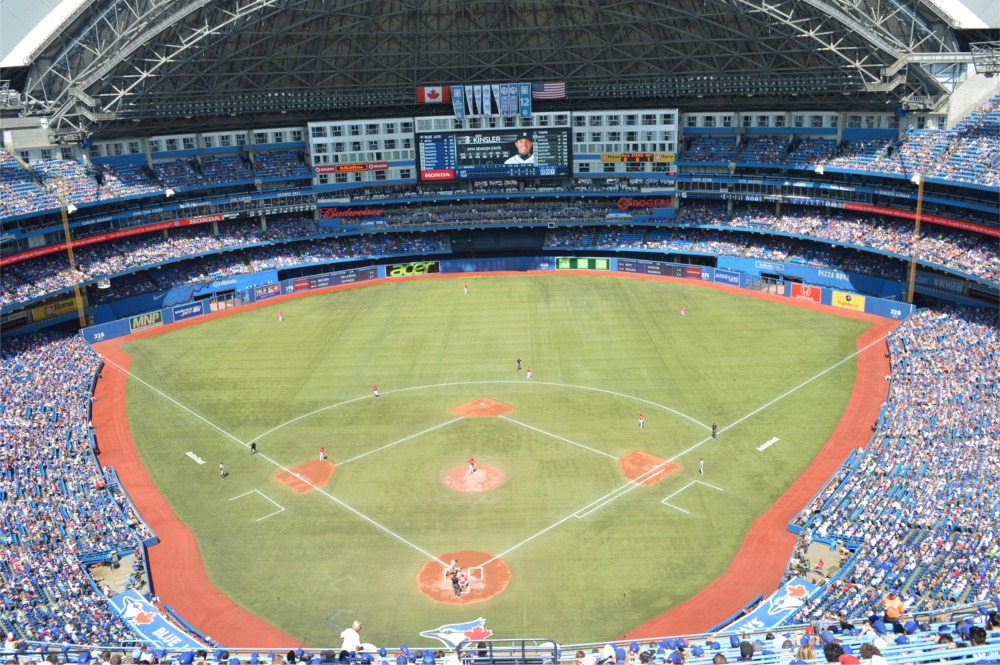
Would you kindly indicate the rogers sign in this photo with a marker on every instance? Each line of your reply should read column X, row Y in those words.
column 337, row 213
column 627, row 202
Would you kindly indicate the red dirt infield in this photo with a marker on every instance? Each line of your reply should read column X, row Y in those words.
column 483, row 407
column 484, row 479
column 639, row 467
column 432, row 582
column 306, row 477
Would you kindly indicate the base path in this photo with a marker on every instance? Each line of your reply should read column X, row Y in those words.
column 646, row 469
column 483, row 407
column 760, row 561
column 484, row 584
column 307, row 477
column 178, row 575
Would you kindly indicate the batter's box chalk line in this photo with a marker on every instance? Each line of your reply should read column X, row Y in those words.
column 666, row 501
column 279, row 508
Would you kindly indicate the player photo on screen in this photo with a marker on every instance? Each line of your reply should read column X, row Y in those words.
column 524, row 151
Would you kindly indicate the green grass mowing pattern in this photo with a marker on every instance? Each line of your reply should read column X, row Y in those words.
column 602, row 350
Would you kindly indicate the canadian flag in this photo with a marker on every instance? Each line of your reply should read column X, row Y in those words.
column 433, row 94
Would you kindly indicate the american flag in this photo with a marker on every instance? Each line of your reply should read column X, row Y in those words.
column 548, row 91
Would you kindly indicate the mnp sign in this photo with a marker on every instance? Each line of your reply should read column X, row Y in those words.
column 143, row 321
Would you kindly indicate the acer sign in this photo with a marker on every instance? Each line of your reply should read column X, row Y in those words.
column 627, row 203
column 338, row 213
column 410, row 269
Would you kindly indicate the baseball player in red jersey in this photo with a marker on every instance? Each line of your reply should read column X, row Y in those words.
column 375, row 390
column 642, row 421
column 472, row 465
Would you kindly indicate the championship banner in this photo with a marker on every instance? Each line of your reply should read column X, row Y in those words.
column 524, row 100
column 53, row 309
column 848, row 301
column 775, row 609
column 813, row 293
column 458, row 101
column 151, row 626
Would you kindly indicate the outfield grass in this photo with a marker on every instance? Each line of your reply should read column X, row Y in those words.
column 602, row 350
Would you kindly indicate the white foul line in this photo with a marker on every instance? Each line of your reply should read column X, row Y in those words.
column 405, row 438
column 556, row 436
column 633, row 484
column 279, row 465
column 666, row 500
column 279, row 510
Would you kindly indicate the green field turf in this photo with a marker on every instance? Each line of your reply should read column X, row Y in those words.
column 602, row 350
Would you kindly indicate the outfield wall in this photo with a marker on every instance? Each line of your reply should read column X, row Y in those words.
column 262, row 286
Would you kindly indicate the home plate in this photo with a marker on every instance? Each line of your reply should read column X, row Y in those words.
column 768, row 443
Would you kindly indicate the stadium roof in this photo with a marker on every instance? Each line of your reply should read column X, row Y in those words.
column 111, row 61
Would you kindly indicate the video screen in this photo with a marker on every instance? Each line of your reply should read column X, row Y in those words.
column 494, row 153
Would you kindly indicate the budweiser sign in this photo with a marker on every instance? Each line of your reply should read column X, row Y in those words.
column 337, row 213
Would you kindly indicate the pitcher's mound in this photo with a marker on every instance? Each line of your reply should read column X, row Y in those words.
column 484, row 479
column 485, row 581
column 482, row 408
column 307, row 476
column 640, row 468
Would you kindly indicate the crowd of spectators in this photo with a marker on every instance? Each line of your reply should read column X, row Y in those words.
column 179, row 173
column 962, row 251
column 55, row 500
column 66, row 180
column 920, row 509
column 277, row 164
column 710, row 149
column 19, row 195
column 223, row 169
column 122, row 180
column 763, row 150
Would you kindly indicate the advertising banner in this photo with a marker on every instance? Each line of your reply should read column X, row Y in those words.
column 775, row 609
column 52, row 309
column 188, row 311
column 351, row 168
column 266, row 291
column 692, row 272
column 151, row 626
column 143, row 321
column 848, row 301
column 727, row 277
column 407, row 269
column 803, row 292
column 104, row 237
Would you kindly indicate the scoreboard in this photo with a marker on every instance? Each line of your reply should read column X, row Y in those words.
column 580, row 263
column 491, row 153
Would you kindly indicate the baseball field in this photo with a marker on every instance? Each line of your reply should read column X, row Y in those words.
column 580, row 525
